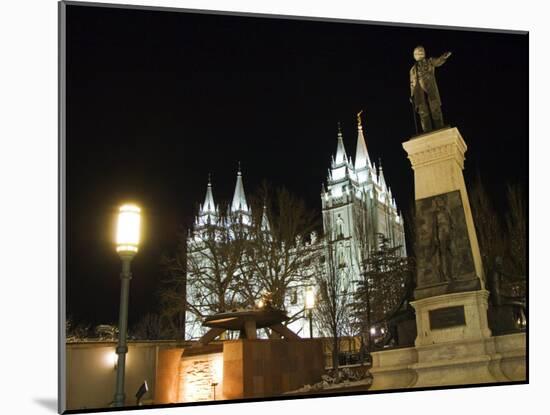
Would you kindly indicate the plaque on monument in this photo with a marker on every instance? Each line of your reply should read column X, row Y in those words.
column 445, row 262
column 443, row 318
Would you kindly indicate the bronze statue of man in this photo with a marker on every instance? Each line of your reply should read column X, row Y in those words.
column 424, row 92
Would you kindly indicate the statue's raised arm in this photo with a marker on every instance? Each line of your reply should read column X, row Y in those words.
column 441, row 60
column 424, row 92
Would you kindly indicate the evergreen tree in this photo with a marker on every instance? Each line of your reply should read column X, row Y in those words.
column 383, row 288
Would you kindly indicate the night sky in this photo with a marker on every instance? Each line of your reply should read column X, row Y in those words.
column 156, row 100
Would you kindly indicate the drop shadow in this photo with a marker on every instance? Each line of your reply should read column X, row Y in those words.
column 48, row 403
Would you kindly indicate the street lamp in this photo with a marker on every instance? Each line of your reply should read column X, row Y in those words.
column 127, row 243
column 310, row 303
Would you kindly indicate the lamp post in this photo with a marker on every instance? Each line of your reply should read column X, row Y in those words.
column 310, row 303
column 127, row 242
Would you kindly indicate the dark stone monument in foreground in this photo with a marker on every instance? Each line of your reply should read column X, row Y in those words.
column 450, row 296
column 454, row 345
column 445, row 261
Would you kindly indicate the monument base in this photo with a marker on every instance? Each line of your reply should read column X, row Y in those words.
column 487, row 360
column 462, row 363
column 454, row 342
column 453, row 347
column 451, row 317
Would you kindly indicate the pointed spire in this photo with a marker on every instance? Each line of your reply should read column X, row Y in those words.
column 361, row 154
column 208, row 205
column 265, row 221
column 399, row 218
column 208, row 214
column 239, row 199
column 381, row 179
column 341, row 156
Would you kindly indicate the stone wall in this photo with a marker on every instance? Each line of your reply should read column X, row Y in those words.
column 259, row 368
column 91, row 373
column 167, row 375
column 201, row 377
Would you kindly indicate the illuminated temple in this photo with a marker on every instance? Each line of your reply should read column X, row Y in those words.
column 355, row 191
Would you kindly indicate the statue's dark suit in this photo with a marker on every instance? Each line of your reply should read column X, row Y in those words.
column 425, row 94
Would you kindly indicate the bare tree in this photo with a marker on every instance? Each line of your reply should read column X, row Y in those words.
column 516, row 228
column 489, row 231
column 503, row 247
column 214, row 260
column 148, row 328
column 333, row 280
column 173, row 291
column 233, row 262
column 278, row 254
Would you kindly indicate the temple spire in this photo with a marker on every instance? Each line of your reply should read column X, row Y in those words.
column 208, row 213
column 341, row 156
column 381, row 179
column 208, row 205
column 361, row 154
column 239, row 199
column 265, row 221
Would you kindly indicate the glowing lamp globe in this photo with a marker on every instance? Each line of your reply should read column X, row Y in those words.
column 128, row 229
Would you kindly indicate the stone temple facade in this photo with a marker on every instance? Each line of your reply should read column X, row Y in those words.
column 355, row 196
column 357, row 203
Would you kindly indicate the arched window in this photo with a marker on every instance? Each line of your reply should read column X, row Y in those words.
column 341, row 258
column 340, row 227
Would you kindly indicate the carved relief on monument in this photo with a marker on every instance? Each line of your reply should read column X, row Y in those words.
column 443, row 248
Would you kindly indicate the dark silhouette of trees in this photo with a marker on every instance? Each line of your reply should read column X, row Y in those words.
column 502, row 239
column 383, row 288
column 332, row 310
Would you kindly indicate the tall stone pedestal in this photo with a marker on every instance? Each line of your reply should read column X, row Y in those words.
column 450, row 298
column 448, row 258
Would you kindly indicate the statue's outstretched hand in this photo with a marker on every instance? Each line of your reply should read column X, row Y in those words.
column 447, row 54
